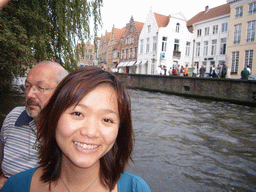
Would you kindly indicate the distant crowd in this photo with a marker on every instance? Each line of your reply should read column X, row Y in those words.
column 221, row 71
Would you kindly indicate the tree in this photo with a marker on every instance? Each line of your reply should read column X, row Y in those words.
column 36, row 30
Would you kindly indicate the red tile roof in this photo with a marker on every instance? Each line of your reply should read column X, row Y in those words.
column 161, row 20
column 209, row 14
column 139, row 26
column 108, row 36
column 119, row 33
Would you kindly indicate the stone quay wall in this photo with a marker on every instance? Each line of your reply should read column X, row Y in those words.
column 231, row 90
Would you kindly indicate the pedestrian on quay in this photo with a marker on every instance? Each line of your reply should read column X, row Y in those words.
column 245, row 73
column 194, row 72
column 186, row 71
column 18, row 133
column 87, row 138
column 182, row 70
column 170, row 71
column 213, row 72
column 218, row 71
column 174, row 71
column 224, row 70
column 248, row 68
column 178, row 70
column 165, row 70
column 202, row 71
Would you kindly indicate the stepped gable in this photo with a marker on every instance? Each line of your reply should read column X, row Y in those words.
column 161, row 20
column 209, row 14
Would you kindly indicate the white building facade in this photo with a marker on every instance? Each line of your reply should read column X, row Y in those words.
column 178, row 40
column 163, row 43
column 211, row 37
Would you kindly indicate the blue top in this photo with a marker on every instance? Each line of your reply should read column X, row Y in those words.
column 20, row 144
column 127, row 182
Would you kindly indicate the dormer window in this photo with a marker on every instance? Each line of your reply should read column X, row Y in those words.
column 177, row 30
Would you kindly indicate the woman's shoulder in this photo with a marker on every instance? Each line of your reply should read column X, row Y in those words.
column 131, row 182
column 19, row 182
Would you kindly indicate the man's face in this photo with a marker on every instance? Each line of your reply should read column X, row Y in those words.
column 40, row 85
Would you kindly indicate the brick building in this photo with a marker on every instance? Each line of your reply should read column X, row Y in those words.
column 88, row 58
column 118, row 48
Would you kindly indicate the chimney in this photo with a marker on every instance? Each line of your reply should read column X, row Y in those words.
column 206, row 8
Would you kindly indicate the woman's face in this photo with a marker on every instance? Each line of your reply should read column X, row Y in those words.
column 86, row 132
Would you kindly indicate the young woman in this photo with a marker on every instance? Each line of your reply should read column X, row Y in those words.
column 86, row 138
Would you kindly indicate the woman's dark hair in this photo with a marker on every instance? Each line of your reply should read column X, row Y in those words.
column 69, row 92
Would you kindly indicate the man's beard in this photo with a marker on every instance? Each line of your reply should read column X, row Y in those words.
column 31, row 101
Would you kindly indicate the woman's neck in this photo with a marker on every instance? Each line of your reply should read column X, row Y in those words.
column 79, row 179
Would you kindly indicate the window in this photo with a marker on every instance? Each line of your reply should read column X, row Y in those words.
column 164, row 44
column 187, row 49
column 90, row 50
column 248, row 58
column 206, row 31
column 127, row 41
column 235, row 60
column 154, row 43
column 149, row 28
column 237, row 33
column 148, row 43
column 251, row 31
column 127, row 53
column 115, row 53
column 199, row 32
column 252, row 8
column 132, row 40
column 121, row 40
column 197, row 49
column 223, row 45
column 215, row 29
column 176, row 44
column 141, row 46
column 224, row 27
column 91, row 58
column 214, row 45
column 123, row 54
column 177, row 28
column 239, row 12
column 131, row 52
column 205, row 48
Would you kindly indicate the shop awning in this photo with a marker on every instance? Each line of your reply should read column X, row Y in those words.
column 122, row 64
column 144, row 62
column 138, row 62
column 131, row 63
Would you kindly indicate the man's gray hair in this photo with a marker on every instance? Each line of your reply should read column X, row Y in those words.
column 62, row 72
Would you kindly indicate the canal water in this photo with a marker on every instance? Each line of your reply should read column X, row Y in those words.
column 186, row 144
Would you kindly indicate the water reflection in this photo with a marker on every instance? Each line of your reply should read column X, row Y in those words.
column 194, row 145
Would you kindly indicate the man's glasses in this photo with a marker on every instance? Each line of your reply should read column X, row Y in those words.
column 37, row 89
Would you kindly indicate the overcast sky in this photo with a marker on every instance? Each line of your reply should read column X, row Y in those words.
column 119, row 12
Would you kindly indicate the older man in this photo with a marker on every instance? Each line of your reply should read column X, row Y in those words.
column 19, row 128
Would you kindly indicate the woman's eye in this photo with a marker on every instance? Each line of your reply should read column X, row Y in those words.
column 108, row 120
column 77, row 113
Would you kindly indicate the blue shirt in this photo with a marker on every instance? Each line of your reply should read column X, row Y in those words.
column 20, row 146
column 127, row 182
